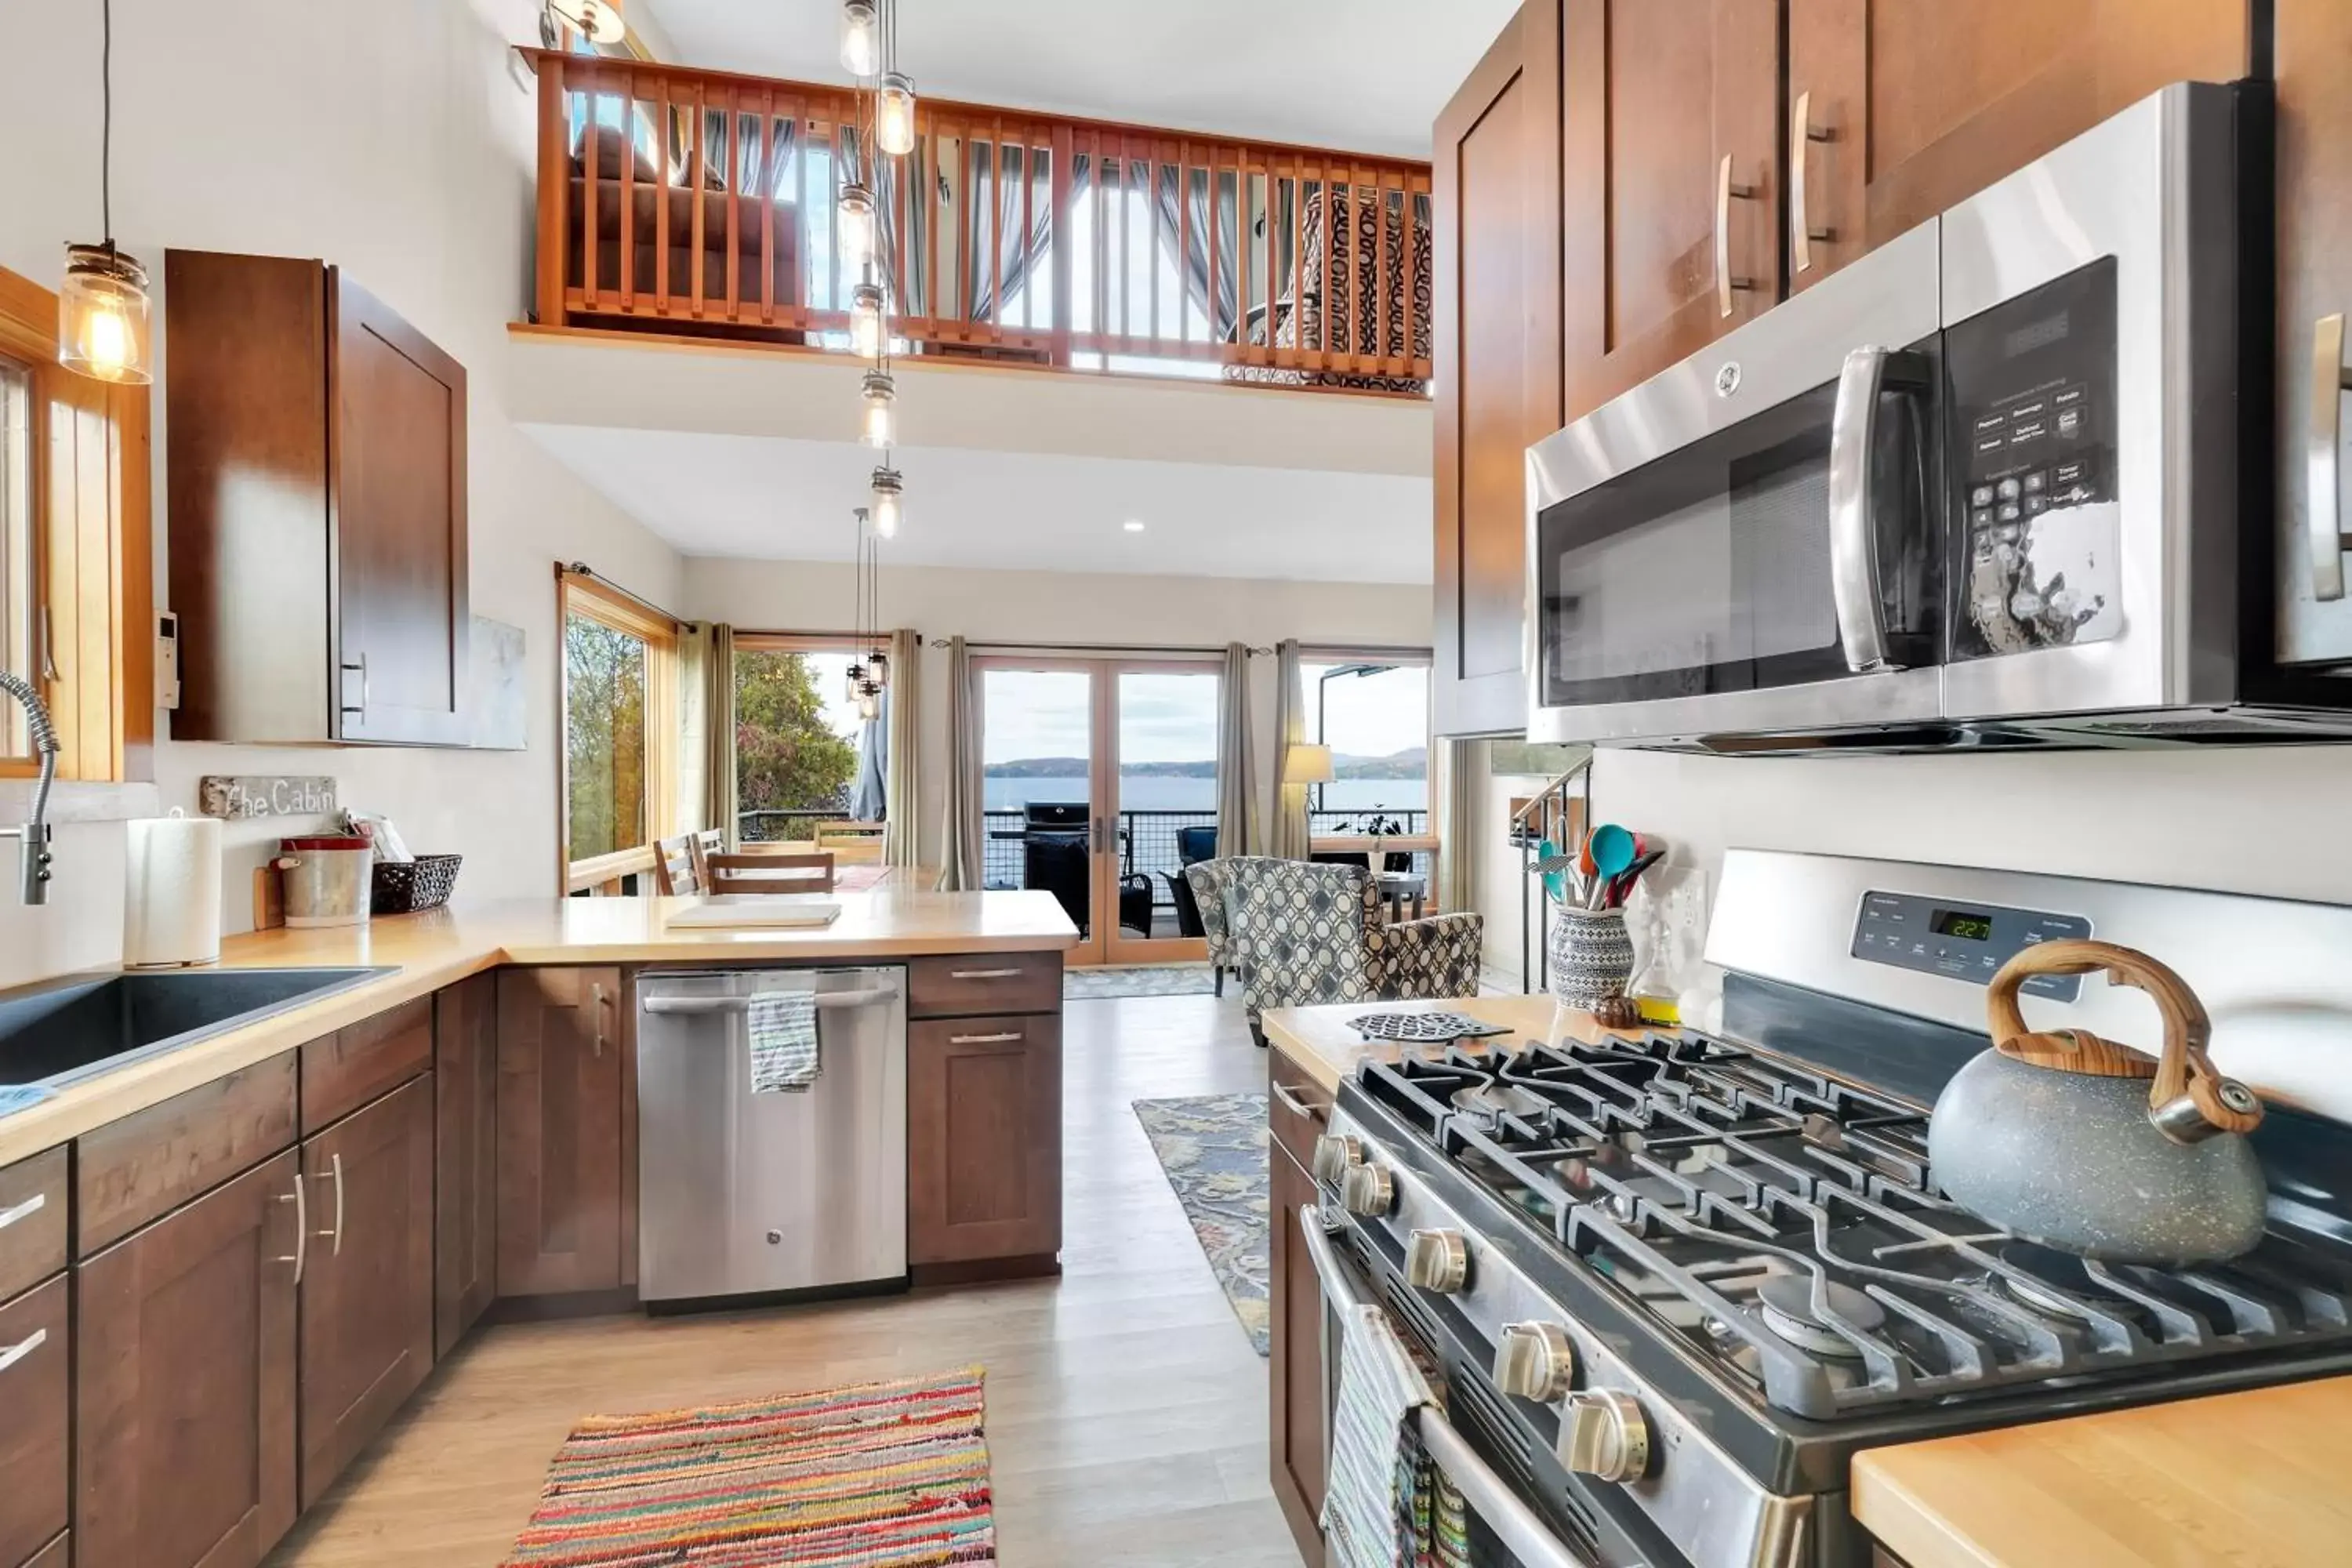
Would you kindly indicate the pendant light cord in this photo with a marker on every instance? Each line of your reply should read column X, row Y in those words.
column 106, row 120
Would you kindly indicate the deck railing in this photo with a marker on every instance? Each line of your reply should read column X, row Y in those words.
column 702, row 202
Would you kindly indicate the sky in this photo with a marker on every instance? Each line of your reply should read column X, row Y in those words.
column 1172, row 718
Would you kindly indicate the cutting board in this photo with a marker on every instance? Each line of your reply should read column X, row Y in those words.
column 743, row 912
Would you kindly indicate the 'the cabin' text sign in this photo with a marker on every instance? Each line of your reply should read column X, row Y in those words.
column 249, row 797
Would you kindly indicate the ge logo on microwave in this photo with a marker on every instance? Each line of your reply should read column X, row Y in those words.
column 1727, row 378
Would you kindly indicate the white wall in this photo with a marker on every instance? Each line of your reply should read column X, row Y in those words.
column 1058, row 606
column 397, row 142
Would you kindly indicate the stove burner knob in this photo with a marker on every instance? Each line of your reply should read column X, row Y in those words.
column 1534, row 1361
column 1603, row 1434
column 1336, row 1153
column 1367, row 1189
column 1436, row 1260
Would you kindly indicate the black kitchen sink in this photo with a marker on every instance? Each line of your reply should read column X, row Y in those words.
column 61, row 1031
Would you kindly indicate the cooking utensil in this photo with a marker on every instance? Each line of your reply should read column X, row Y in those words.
column 2093, row 1147
column 1621, row 888
column 1553, row 864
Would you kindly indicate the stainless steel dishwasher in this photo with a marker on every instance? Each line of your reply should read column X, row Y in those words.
column 743, row 1192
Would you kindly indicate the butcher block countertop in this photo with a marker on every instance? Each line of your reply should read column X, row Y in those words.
column 439, row 948
column 2259, row 1479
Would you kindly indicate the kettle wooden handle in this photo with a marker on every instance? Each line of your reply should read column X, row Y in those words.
column 2183, row 1069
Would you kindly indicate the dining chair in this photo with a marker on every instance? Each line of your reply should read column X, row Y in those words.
column 678, row 869
column 759, row 873
column 703, row 845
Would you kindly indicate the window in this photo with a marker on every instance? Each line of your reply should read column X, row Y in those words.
column 620, row 735
column 77, row 607
column 1374, row 715
column 801, row 747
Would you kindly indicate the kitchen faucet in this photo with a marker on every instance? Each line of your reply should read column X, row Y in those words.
column 33, row 884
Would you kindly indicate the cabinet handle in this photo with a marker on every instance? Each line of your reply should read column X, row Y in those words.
column 1801, row 132
column 983, row 974
column 1292, row 1104
column 25, row 1210
column 1725, row 190
column 337, row 1234
column 23, row 1348
column 996, row 1039
column 2323, row 503
column 359, row 665
column 301, row 1227
column 596, row 1021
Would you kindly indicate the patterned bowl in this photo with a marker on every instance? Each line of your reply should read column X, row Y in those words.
column 1592, row 957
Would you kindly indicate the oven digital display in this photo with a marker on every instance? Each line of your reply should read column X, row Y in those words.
column 1961, row 923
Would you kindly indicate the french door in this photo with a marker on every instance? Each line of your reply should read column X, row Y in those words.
column 1099, row 785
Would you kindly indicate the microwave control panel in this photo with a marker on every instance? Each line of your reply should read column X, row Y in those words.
column 2032, row 400
column 1960, row 941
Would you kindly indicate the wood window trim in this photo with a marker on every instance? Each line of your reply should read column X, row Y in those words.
column 93, row 551
column 579, row 594
column 804, row 642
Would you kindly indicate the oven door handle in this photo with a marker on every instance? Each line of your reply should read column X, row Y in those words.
column 1516, row 1525
column 1856, row 583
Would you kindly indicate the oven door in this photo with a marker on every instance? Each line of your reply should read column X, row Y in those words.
column 1749, row 543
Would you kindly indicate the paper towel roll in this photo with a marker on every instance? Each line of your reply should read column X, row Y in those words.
column 172, row 893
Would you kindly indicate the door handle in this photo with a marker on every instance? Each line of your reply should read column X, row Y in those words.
column 825, row 999
column 1855, row 579
column 23, row 1348
column 301, row 1227
column 359, row 665
column 1002, row 1038
column 2323, row 477
column 1803, row 131
column 1013, row 973
column 596, row 1021
column 1725, row 190
column 1292, row 1104
column 337, row 1234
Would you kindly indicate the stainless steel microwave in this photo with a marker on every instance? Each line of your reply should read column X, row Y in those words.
column 1981, row 488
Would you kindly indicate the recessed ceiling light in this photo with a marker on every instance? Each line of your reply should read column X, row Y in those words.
column 1132, row 526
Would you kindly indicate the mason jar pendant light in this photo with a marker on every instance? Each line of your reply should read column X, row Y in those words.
column 894, row 113
column 861, row 38
column 853, row 211
column 598, row 21
column 866, row 321
column 880, row 425
column 103, row 311
column 889, row 512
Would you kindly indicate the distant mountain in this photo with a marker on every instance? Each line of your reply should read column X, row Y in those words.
column 1409, row 764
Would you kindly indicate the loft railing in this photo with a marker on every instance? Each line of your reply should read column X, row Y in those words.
column 700, row 201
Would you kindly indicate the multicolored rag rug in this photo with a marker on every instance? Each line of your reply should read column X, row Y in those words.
column 1212, row 1147
column 1138, row 979
column 883, row 1475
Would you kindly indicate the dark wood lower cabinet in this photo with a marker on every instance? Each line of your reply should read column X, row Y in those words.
column 558, row 1142
column 984, row 1139
column 185, row 1398
column 1295, row 1368
column 58, row 1553
column 35, row 1428
column 465, row 1157
column 367, row 1284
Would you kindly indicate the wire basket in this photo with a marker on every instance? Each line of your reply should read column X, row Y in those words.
column 405, row 887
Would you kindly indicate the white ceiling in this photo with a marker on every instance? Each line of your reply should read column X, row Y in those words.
column 773, row 498
column 1361, row 76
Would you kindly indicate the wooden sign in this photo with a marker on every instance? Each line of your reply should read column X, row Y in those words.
column 244, row 797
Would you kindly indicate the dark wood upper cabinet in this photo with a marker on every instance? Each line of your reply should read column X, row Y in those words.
column 1915, row 105
column 560, row 1112
column 367, row 1285
column 984, row 1139
column 185, row 1386
column 317, row 484
column 1496, row 196
column 1671, row 184
column 466, row 1154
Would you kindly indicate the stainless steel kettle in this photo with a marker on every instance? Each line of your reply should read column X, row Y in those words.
column 2095, row 1148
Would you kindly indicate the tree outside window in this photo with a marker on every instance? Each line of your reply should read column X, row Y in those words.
column 796, row 739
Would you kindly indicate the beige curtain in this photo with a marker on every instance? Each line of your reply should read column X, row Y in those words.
column 1237, row 814
column 718, row 736
column 693, row 728
column 1461, row 777
column 1290, row 834
column 959, row 825
column 902, row 788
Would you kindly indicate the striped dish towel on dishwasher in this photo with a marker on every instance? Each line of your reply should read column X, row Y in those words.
column 782, row 1026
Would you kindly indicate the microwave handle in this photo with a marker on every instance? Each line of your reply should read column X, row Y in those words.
column 1854, row 581
column 2323, row 505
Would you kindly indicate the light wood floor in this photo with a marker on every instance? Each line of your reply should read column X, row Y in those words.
column 1127, row 1419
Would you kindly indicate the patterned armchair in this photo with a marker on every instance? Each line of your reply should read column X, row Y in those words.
column 1305, row 933
column 1212, row 885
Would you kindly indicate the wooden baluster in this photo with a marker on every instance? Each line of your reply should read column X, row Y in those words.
column 1065, row 237
column 697, row 180
column 1216, row 224
column 768, row 208
column 589, row 164
column 967, row 238
column 661, row 202
column 1152, row 169
column 1028, row 228
column 896, row 261
column 1359, row 248
column 1183, row 243
column 1240, row 254
column 1270, row 278
column 628, row 225
column 1386, row 340
column 1298, row 344
column 554, row 190
column 1126, row 247
column 730, row 148
column 1417, row 328
column 996, row 231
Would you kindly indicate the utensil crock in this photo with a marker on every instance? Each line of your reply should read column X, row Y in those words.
column 1591, row 955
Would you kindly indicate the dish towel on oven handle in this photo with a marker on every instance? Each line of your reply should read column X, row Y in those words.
column 782, row 1026
column 1387, row 1504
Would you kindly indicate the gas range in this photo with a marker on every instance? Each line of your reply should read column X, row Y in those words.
column 1675, row 1283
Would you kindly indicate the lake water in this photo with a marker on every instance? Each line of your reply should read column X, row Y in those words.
column 1158, row 794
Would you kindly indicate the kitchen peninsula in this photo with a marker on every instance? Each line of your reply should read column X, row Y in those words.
column 316, row 1207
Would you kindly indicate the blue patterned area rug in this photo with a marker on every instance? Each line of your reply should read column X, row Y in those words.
column 1138, row 979
column 1212, row 1147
